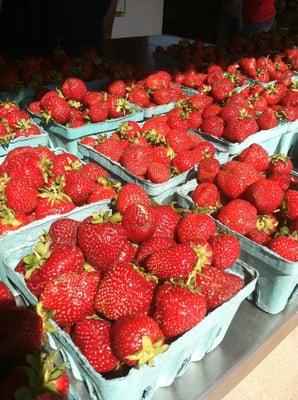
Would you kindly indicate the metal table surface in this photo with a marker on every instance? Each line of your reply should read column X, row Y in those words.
column 252, row 335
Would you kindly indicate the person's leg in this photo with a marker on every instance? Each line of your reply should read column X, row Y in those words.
column 251, row 28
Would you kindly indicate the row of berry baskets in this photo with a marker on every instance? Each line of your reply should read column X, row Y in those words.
column 191, row 245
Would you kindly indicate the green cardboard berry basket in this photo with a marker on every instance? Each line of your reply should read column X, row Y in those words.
column 139, row 383
column 159, row 192
column 278, row 280
column 68, row 138
column 275, row 140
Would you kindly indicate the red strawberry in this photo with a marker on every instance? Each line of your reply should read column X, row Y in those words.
column 239, row 215
column 153, row 245
column 45, row 207
column 74, row 89
column 206, row 196
column 137, row 339
column 64, row 231
column 136, row 159
column 175, row 262
column 211, row 111
column 117, row 88
column 213, row 125
column 186, row 160
column 238, row 129
column 99, row 112
column 131, row 193
column 201, row 101
column 161, row 154
column 255, row 155
column 162, row 96
column 6, row 297
column 280, row 165
column 21, row 331
column 225, row 249
column 93, row 97
column 20, row 196
column 266, row 225
column 71, row 296
column 208, row 169
column 178, row 309
column 139, row 222
column 101, row 241
column 139, row 96
column 94, row 171
column 218, row 286
column 268, row 119
column 166, row 220
column 265, row 195
column 286, row 247
column 58, row 109
column 178, row 119
column 194, row 228
column 92, row 336
column 124, row 290
column 158, row 173
column 235, row 177
column 179, row 140
column 222, row 89
column 78, row 186
column 290, row 204
column 65, row 162
column 129, row 130
column 119, row 107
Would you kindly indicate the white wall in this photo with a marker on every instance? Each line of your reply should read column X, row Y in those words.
column 142, row 18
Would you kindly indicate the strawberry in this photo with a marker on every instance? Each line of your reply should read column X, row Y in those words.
column 74, row 89
column 57, row 109
column 178, row 119
column 286, row 247
column 211, row 111
column 92, row 336
column 65, row 162
column 94, row 171
column 201, row 101
column 64, row 231
column 208, row 169
column 71, row 296
column 166, row 220
column 111, row 148
column 161, row 155
column 118, row 107
column 131, row 193
column 137, row 339
column 266, row 225
column 157, row 80
column 139, row 96
column 93, row 97
column 206, row 196
column 117, row 88
column 162, row 96
column 265, row 195
column 6, row 297
column 225, row 249
column 255, row 155
column 158, row 173
column 78, row 187
column 213, row 125
column 45, row 207
column 138, row 222
column 238, row 129
column 280, row 165
column 194, row 227
column 129, row 130
column 99, row 112
column 124, row 290
column 186, row 160
column 20, row 196
column 136, row 159
column 235, row 177
column 239, row 215
column 267, row 119
column 21, row 331
column 274, row 93
column 153, row 245
column 177, row 309
column 222, row 89
column 179, row 140
column 218, row 286
column 290, row 204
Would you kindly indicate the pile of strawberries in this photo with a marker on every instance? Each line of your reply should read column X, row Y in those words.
column 156, row 151
column 124, row 285
column 254, row 196
column 155, row 89
column 73, row 105
column 35, row 183
column 26, row 371
column 15, row 123
column 265, row 69
column 215, row 80
column 237, row 116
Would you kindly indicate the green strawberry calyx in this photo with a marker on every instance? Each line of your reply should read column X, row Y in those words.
column 148, row 351
column 154, row 137
column 105, row 216
column 266, row 224
column 8, row 217
column 54, row 192
column 38, row 256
